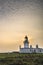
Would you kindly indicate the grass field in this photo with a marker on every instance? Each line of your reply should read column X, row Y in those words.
column 21, row 59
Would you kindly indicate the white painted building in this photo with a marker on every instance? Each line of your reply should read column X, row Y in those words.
column 28, row 49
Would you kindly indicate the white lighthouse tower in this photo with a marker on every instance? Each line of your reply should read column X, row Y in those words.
column 26, row 42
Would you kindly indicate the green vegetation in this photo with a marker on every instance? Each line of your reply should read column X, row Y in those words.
column 21, row 59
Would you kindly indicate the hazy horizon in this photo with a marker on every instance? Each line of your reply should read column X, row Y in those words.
column 17, row 19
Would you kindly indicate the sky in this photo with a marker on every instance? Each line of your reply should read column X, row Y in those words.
column 17, row 19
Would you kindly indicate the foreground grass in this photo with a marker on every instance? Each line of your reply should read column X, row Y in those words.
column 21, row 59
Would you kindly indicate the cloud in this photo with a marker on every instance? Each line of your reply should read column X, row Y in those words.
column 8, row 7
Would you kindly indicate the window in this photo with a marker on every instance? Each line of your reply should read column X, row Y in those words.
column 34, row 50
column 40, row 50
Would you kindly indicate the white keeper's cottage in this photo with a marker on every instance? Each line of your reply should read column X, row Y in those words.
column 29, row 49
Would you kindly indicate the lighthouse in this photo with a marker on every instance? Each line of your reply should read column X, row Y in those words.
column 26, row 42
column 29, row 49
